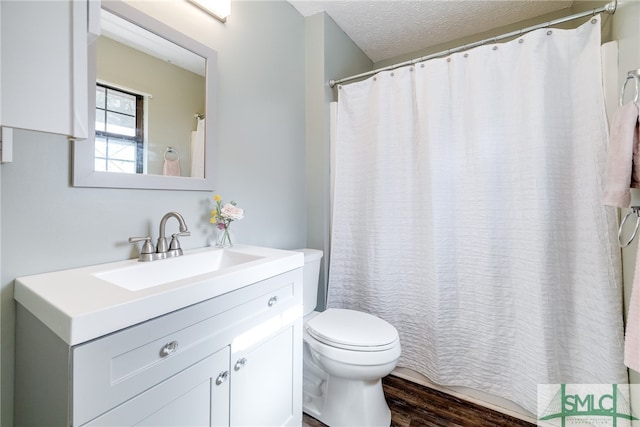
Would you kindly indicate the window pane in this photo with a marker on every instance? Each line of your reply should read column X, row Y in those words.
column 115, row 155
column 122, row 150
column 121, row 102
column 121, row 166
column 100, row 97
column 100, row 164
column 116, row 114
column 100, row 125
column 101, row 147
column 121, row 124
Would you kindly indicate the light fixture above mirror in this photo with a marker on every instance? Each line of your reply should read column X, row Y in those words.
column 219, row 9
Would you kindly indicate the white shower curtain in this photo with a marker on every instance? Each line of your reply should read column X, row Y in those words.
column 467, row 213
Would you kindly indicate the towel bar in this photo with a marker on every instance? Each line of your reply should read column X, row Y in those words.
column 634, row 210
column 171, row 154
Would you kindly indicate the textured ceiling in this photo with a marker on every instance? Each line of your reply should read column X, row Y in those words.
column 385, row 29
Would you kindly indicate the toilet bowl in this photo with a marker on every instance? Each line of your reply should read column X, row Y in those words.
column 346, row 353
column 342, row 377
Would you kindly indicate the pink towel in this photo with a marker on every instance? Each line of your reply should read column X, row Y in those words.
column 622, row 170
column 172, row 167
column 632, row 334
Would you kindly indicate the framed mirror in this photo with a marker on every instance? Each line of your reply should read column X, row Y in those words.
column 154, row 93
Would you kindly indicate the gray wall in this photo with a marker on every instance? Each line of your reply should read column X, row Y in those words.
column 48, row 225
column 330, row 54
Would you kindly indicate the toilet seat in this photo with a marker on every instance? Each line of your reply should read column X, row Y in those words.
column 352, row 330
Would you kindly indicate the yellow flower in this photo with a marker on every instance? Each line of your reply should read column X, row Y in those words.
column 217, row 198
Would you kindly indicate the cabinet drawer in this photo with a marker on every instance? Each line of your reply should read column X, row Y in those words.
column 117, row 367
column 182, row 347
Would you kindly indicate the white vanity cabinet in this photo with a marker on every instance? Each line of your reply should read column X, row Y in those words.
column 43, row 60
column 235, row 359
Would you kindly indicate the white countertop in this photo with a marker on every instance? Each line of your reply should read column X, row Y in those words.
column 79, row 306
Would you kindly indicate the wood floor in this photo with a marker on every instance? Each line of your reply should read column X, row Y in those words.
column 413, row 405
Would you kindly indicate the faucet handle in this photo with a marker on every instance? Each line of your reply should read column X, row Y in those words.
column 175, row 243
column 174, row 246
column 147, row 247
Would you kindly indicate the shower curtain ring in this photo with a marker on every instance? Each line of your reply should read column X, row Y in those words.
column 634, row 210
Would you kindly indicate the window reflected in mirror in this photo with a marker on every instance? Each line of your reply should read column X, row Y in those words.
column 119, row 131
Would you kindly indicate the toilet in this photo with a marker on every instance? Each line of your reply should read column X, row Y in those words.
column 346, row 353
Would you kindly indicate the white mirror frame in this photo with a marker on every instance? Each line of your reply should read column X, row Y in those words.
column 84, row 174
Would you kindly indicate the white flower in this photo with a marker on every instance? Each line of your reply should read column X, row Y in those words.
column 232, row 212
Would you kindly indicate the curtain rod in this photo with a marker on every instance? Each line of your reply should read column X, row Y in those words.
column 610, row 8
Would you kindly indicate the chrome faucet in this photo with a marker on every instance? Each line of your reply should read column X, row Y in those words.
column 149, row 253
column 174, row 246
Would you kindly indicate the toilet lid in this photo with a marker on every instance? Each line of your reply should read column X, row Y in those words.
column 352, row 330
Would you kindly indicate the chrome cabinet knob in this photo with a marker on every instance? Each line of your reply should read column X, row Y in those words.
column 240, row 364
column 272, row 301
column 169, row 348
column 222, row 377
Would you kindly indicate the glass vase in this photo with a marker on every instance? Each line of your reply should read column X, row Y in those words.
column 223, row 237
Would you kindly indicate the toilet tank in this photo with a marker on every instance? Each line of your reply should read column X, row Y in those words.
column 311, row 274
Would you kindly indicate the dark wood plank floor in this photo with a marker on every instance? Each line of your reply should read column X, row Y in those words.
column 413, row 405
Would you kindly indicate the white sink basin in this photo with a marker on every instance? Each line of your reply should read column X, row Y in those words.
column 84, row 303
column 143, row 275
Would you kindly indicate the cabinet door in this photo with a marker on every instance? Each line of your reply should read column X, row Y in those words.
column 262, row 383
column 43, row 52
column 197, row 396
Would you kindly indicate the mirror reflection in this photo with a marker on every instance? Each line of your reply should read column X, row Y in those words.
column 150, row 103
